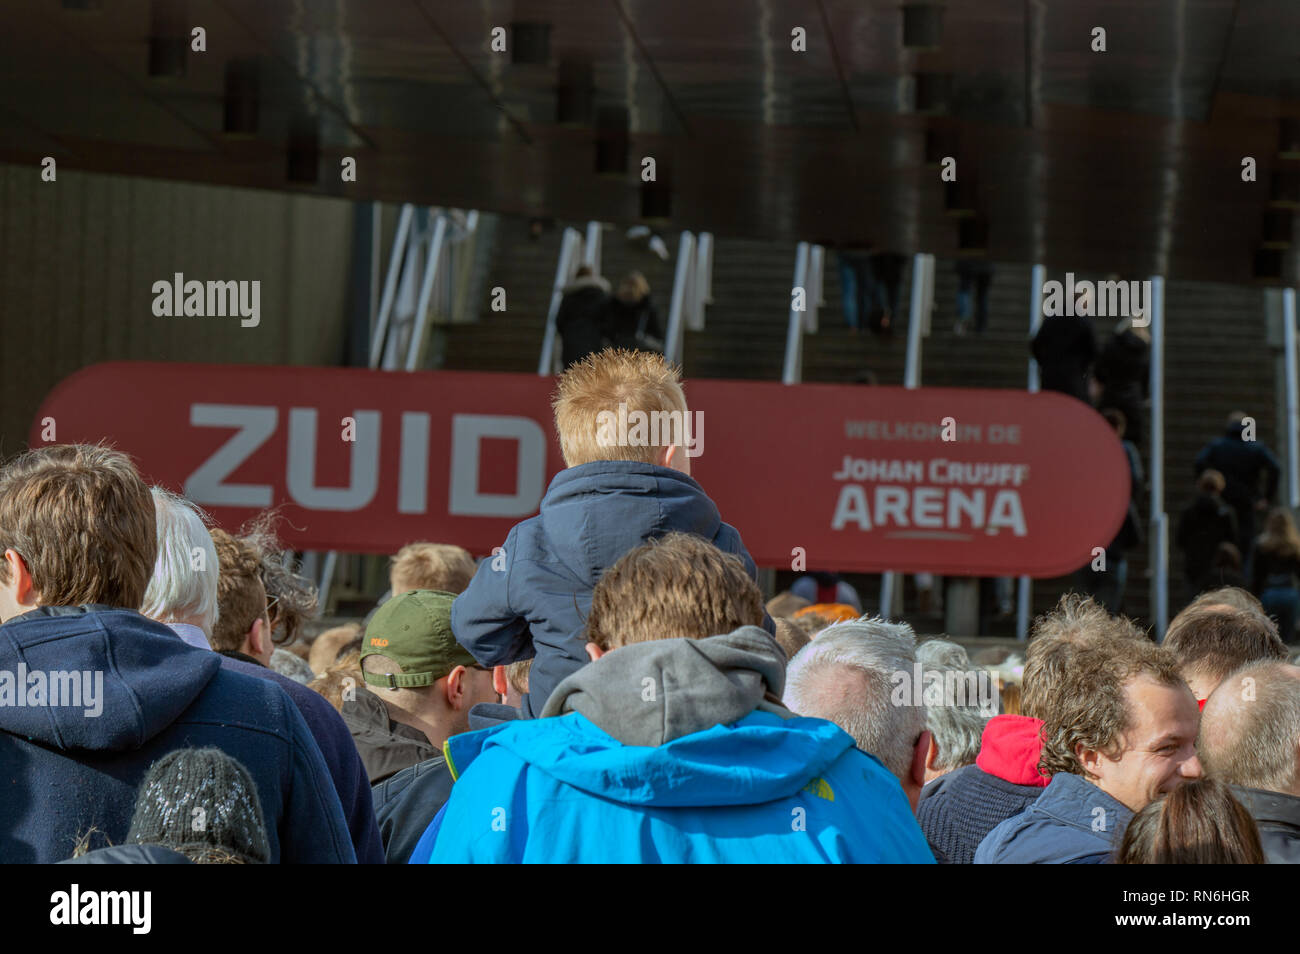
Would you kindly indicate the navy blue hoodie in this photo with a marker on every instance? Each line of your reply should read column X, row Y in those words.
column 64, row 772
column 536, row 605
column 340, row 754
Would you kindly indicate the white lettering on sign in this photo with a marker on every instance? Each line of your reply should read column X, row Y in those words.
column 300, row 474
column 207, row 486
column 467, row 432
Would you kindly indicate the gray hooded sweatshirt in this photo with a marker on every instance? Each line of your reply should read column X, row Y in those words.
column 651, row 693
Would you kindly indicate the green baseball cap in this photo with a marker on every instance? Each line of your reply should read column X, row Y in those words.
column 414, row 631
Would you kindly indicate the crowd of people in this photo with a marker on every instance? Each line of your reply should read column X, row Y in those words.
column 610, row 686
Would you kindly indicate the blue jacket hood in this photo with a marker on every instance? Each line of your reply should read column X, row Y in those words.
column 133, row 688
column 757, row 759
column 591, row 511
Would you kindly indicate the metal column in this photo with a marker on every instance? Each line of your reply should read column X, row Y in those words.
column 1025, row 594
column 1159, row 519
column 922, row 293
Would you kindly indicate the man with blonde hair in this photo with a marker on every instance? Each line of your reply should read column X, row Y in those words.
column 624, row 484
column 431, row 566
column 672, row 745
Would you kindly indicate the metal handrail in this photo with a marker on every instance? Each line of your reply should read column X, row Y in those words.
column 569, row 246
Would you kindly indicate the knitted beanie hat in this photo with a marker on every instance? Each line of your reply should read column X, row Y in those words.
column 204, row 804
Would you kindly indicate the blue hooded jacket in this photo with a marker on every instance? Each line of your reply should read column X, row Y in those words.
column 68, row 769
column 535, row 602
column 687, row 779
column 1072, row 823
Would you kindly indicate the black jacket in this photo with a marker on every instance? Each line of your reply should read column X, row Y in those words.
column 1242, row 463
column 1205, row 523
column 1278, row 819
column 579, row 318
column 627, row 325
column 1272, row 570
column 1123, row 369
column 406, row 803
column 386, row 747
column 1064, row 349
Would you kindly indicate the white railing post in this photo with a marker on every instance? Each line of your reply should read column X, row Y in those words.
column 563, row 269
column 703, row 280
column 792, row 372
column 1292, row 399
column 432, row 263
column 390, row 284
column 683, row 296
column 591, row 248
column 1159, row 520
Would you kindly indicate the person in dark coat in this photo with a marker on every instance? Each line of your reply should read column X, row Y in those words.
column 1064, row 349
column 1275, row 576
column 70, row 769
column 1123, row 371
column 1205, row 523
column 580, row 315
column 1248, row 739
column 630, row 320
column 1250, row 471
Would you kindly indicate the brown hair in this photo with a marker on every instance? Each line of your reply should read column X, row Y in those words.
column 1233, row 596
column 1211, row 482
column 1214, row 642
column 432, row 566
column 597, row 385
column 786, row 603
column 790, row 636
column 84, row 523
column 1090, row 707
column 1280, row 534
column 1009, row 695
column 295, row 595
column 334, row 683
column 241, row 596
column 1198, row 823
column 1056, row 635
column 517, row 675
column 679, row 585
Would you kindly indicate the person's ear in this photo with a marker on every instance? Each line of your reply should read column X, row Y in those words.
column 455, row 687
column 259, row 637
column 932, row 756
column 920, row 754
column 594, row 652
column 675, row 457
column 500, row 684
column 1090, row 760
column 20, row 586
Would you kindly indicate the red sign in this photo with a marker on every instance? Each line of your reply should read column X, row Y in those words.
column 845, row 477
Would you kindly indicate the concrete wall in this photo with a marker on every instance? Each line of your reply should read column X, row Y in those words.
column 79, row 256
